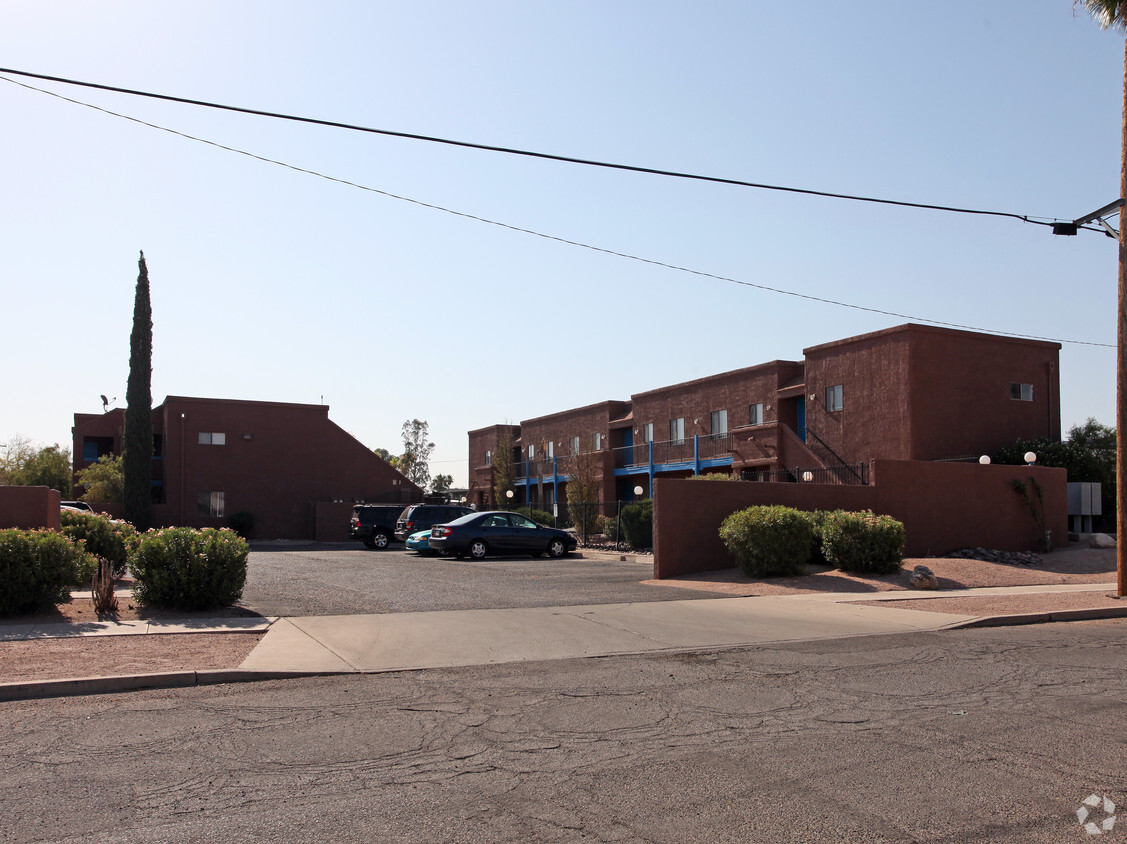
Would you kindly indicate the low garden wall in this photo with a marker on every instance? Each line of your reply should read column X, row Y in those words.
column 944, row 506
column 29, row 507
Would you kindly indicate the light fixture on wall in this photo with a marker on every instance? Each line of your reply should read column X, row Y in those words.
column 984, row 460
column 808, row 476
column 247, row 437
column 1030, row 458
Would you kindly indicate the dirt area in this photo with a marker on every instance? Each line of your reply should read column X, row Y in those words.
column 1069, row 565
column 100, row 656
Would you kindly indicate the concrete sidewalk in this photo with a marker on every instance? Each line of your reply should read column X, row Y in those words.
column 404, row 641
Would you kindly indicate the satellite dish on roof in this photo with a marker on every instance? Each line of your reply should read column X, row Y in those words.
column 106, row 403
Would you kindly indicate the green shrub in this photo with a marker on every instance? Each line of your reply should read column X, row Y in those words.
column 715, row 476
column 189, row 569
column 114, row 541
column 607, row 526
column 768, row 541
column 38, row 568
column 817, row 520
column 241, row 523
column 863, row 542
column 541, row 517
column 638, row 524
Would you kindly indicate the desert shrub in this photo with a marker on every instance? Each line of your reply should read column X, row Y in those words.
column 241, row 523
column 607, row 526
column 715, row 476
column 38, row 569
column 111, row 540
column 638, row 524
column 768, row 541
column 541, row 517
column 817, row 519
column 863, row 542
column 190, row 569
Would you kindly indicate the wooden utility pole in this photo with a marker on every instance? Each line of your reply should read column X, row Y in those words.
column 1121, row 370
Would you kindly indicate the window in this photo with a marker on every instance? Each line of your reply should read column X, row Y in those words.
column 598, row 441
column 834, row 397
column 1021, row 392
column 648, row 432
column 677, row 430
column 575, row 445
column 532, row 452
column 719, row 423
column 488, row 457
column 210, row 504
column 216, row 438
column 551, row 450
column 755, row 414
column 95, row 447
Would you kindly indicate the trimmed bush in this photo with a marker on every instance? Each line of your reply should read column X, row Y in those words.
column 241, row 523
column 863, row 542
column 638, row 524
column 105, row 538
column 818, row 522
column 189, row 569
column 38, row 569
column 769, row 541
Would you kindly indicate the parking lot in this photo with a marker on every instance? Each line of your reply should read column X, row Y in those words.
column 344, row 579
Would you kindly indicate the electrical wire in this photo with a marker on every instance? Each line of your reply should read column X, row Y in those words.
column 558, row 239
column 1025, row 218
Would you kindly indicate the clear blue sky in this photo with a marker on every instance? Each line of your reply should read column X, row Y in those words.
column 274, row 285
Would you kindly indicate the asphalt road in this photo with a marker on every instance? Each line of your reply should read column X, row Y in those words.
column 349, row 580
column 988, row 735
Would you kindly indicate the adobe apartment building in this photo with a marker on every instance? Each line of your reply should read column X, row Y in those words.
column 912, row 392
column 289, row 465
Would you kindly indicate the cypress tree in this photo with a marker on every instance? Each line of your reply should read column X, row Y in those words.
column 137, row 455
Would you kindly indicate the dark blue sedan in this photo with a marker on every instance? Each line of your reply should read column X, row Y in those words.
column 499, row 532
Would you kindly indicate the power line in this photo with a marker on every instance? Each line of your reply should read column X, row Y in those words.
column 1025, row 218
column 556, row 238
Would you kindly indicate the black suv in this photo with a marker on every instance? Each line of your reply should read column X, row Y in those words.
column 424, row 516
column 374, row 524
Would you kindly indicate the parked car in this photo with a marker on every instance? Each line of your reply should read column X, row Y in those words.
column 423, row 516
column 499, row 532
column 374, row 524
column 420, row 542
column 76, row 505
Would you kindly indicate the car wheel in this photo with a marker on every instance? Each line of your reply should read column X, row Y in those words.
column 380, row 540
column 478, row 549
column 556, row 548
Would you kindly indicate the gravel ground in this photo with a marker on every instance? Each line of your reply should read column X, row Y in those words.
column 106, row 655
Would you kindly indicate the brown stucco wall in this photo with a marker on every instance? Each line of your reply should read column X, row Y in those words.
column 943, row 506
column 29, row 507
column 279, row 461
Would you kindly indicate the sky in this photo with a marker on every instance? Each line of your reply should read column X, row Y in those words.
column 278, row 285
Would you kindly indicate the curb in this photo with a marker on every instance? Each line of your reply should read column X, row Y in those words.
column 1019, row 619
column 33, row 689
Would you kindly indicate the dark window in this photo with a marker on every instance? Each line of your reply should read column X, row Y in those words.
column 1021, row 392
column 95, row 447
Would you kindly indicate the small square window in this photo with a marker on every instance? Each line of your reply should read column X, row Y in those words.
column 755, row 414
column 834, row 396
column 211, row 504
column 1021, row 392
column 213, row 438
